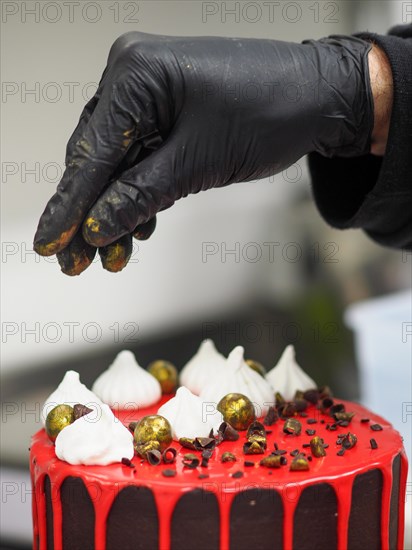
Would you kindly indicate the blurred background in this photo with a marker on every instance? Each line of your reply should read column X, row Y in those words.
column 251, row 264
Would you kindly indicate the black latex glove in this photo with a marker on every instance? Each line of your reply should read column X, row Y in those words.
column 174, row 116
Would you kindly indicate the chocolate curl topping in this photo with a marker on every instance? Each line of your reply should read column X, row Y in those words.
column 252, row 447
column 226, row 432
column 326, row 403
column 300, row 405
column 279, row 400
column 154, row 457
column 311, row 395
column 143, row 448
column 80, row 410
column 292, row 427
column 256, row 428
column 206, row 455
column 325, row 391
column 169, row 455
column 299, row 463
column 191, row 461
column 349, row 441
column 317, row 447
column 288, row 410
column 188, row 443
column 338, row 408
column 271, row 417
column 344, row 417
column 205, row 443
column 228, row 457
column 271, row 461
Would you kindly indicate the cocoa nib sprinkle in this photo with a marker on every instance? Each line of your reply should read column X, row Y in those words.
column 248, row 464
column 373, row 443
column 237, row 474
column 279, row 452
column 202, row 476
column 127, row 462
column 169, row 472
column 310, row 432
column 376, row 427
column 364, row 420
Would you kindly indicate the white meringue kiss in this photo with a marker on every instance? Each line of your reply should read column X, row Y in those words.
column 189, row 416
column 202, row 367
column 70, row 391
column 125, row 383
column 96, row 439
column 238, row 377
column 287, row 376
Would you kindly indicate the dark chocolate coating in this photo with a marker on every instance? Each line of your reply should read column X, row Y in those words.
column 316, row 520
column 256, row 520
column 196, row 522
column 133, row 522
column 78, row 515
column 365, row 517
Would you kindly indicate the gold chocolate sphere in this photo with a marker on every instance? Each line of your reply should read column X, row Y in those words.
column 166, row 374
column 237, row 410
column 153, row 428
column 57, row 419
column 256, row 366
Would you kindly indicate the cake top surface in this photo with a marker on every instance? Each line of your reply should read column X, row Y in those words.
column 246, row 470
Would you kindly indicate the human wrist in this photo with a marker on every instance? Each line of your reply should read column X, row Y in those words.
column 382, row 91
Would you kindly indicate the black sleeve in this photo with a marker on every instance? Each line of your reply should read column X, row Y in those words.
column 369, row 192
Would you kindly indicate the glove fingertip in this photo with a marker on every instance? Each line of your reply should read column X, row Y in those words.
column 145, row 230
column 115, row 256
column 73, row 260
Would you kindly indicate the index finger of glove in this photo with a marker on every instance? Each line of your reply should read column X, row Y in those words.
column 93, row 159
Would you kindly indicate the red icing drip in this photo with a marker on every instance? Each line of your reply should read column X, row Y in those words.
column 344, row 498
column 402, row 500
column 386, row 503
column 290, row 500
column 105, row 482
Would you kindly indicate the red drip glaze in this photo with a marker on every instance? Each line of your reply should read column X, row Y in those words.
column 105, row 482
column 344, row 508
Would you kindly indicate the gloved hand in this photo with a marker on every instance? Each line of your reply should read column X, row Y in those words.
column 174, row 116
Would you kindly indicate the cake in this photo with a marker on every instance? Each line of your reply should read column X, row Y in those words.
column 311, row 472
